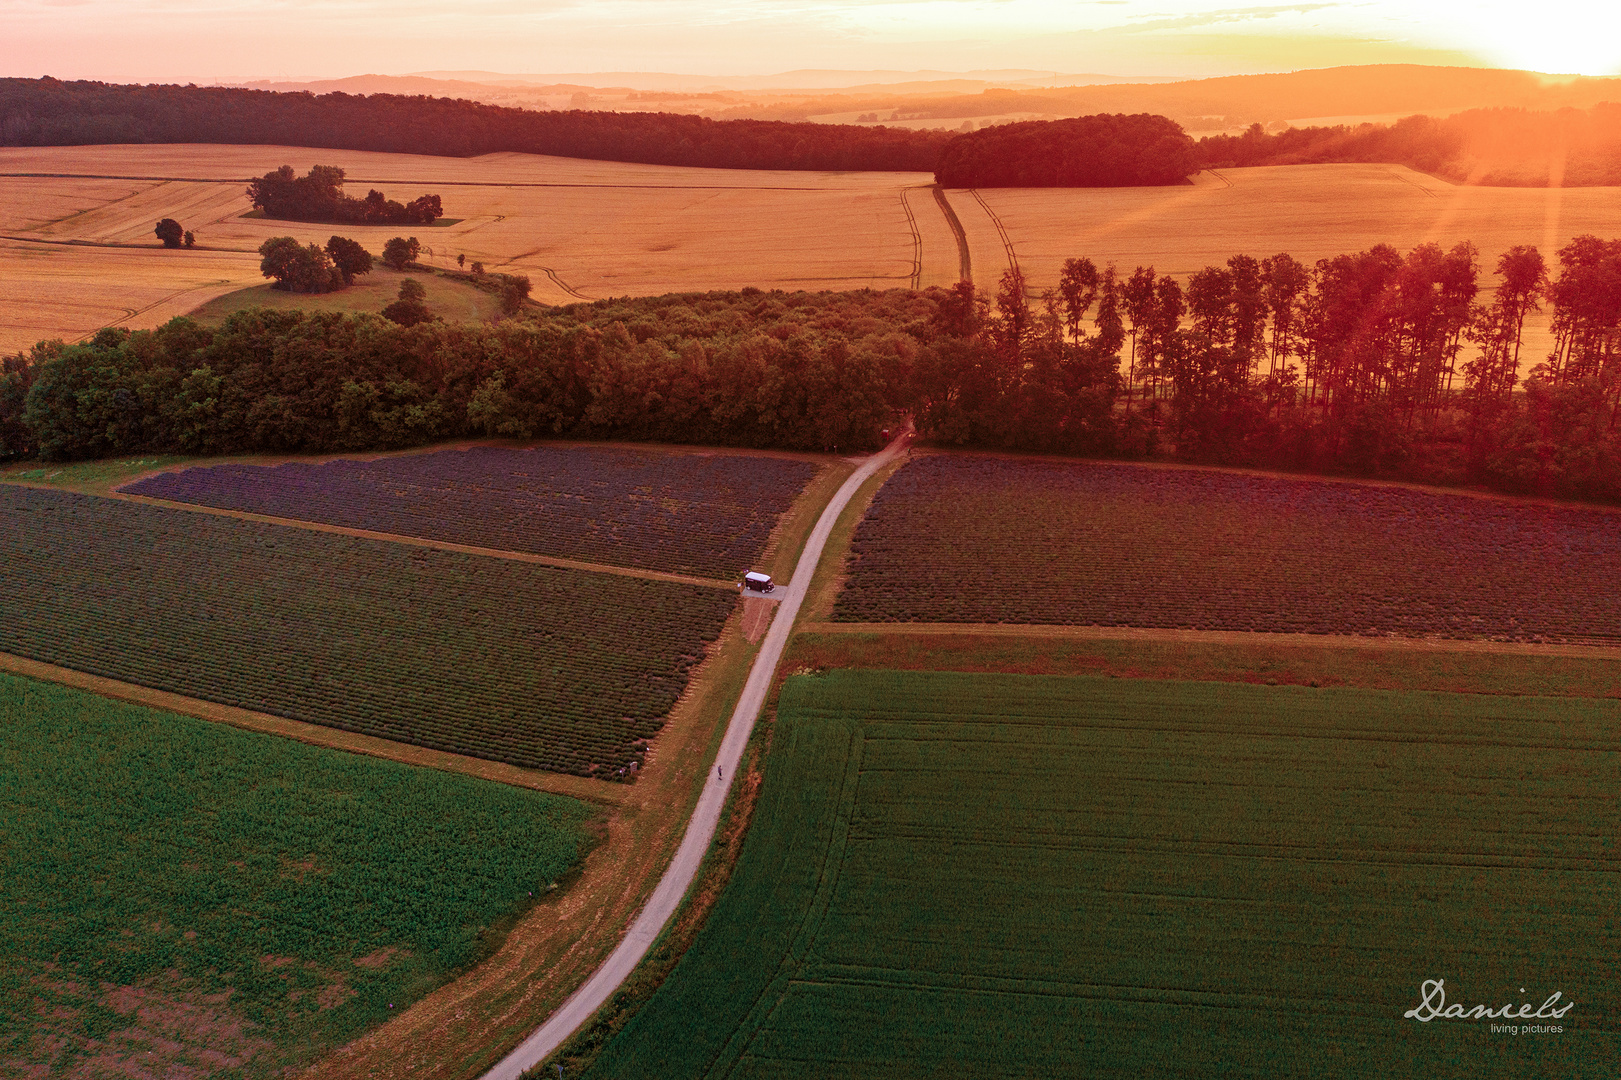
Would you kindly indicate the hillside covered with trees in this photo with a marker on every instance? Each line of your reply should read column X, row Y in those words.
column 1088, row 151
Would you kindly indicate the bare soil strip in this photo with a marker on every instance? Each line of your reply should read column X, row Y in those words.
column 1597, row 651
column 579, row 787
column 465, row 549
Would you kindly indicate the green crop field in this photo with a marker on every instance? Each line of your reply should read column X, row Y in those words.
column 532, row 665
column 961, row 875
column 182, row 898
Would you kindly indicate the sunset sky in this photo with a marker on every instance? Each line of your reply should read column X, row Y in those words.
column 204, row 40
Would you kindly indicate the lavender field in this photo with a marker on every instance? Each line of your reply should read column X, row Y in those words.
column 970, row 538
column 690, row 513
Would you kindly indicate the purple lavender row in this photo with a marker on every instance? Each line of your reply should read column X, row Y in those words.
column 963, row 538
column 704, row 514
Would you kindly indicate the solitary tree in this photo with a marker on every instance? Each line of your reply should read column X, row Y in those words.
column 349, row 257
column 191, row 238
column 461, row 260
column 170, row 232
column 400, row 251
column 411, row 307
column 514, row 291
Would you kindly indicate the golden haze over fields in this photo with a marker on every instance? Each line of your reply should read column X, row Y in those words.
column 77, row 250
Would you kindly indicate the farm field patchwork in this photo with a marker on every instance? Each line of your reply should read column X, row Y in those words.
column 531, row 665
column 965, row 538
column 1004, row 875
column 692, row 513
column 186, row 899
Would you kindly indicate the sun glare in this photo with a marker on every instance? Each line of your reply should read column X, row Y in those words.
column 1557, row 38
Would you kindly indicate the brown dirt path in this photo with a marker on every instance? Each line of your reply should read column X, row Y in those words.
column 461, row 1028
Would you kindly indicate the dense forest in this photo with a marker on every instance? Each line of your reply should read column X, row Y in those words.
column 318, row 196
column 1371, row 363
column 48, row 112
column 1088, row 151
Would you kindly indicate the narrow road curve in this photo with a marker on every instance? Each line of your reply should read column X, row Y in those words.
column 661, row 906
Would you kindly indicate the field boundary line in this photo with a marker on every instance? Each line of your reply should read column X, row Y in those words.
column 666, row 898
column 917, row 241
column 1596, row 651
column 417, row 541
column 1007, row 242
column 965, row 263
column 578, row 787
column 439, row 183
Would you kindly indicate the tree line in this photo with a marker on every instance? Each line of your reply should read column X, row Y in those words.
column 1503, row 147
column 318, row 196
column 811, row 372
column 1372, row 363
column 1088, row 151
column 50, row 112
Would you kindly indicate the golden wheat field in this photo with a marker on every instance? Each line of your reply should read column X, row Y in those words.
column 77, row 250
column 1309, row 211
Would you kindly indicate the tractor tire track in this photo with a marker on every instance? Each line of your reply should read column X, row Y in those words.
column 1001, row 231
column 917, row 241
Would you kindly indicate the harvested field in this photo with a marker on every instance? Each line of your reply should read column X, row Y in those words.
column 964, row 538
column 510, row 661
column 186, row 899
column 690, row 513
column 1154, row 880
column 576, row 228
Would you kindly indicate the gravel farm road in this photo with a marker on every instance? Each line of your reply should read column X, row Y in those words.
column 649, row 923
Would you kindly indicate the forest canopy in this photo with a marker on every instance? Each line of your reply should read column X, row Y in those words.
column 1088, row 151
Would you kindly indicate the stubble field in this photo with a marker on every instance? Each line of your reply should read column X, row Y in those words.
column 1000, row 875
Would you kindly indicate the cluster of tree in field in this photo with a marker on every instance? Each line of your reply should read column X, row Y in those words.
column 310, row 268
column 1371, row 363
column 318, row 196
column 1505, row 147
column 1088, row 151
column 796, row 371
column 49, row 112
column 173, row 234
